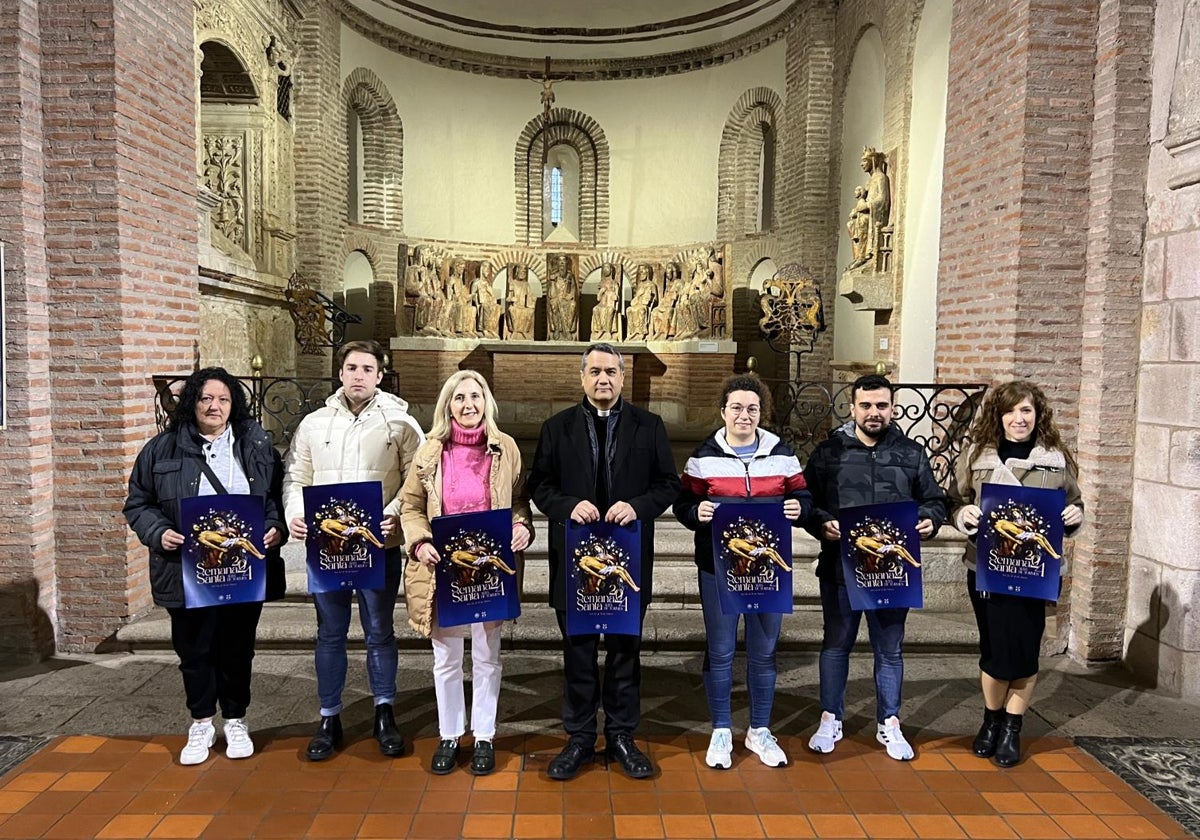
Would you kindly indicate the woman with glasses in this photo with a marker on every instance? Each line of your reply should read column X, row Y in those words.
column 739, row 461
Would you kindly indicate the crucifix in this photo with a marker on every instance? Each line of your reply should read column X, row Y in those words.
column 547, row 81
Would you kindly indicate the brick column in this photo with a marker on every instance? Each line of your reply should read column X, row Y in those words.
column 320, row 154
column 1015, row 202
column 28, row 594
column 121, row 241
column 1112, row 319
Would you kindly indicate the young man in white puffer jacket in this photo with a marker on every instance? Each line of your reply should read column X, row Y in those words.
column 360, row 434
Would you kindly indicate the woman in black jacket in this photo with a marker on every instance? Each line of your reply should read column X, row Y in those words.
column 211, row 424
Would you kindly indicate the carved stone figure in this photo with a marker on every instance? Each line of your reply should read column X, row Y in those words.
column 878, row 200
column 518, row 305
column 487, row 308
column 431, row 298
column 645, row 296
column 859, row 227
column 458, row 292
column 662, row 317
column 606, row 317
column 562, row 299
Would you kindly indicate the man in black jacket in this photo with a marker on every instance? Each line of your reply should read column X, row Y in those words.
column 602, row 459
column 866, row 461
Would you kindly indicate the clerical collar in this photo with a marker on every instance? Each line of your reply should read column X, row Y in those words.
column 602, row 412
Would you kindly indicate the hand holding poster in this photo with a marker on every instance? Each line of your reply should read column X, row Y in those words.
column 345, row 539
column 604, row 573
column 881, row 556
column 1019, row 546
column 223, row 552
column 752, row 555
column 476, row 579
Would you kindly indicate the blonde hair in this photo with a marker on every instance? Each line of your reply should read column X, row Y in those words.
column 441, row 411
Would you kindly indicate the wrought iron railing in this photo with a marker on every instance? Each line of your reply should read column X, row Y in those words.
column 279, row 403
column 935, row 416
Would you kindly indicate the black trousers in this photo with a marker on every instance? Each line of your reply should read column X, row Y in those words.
column 215, row 646
column 622, row 690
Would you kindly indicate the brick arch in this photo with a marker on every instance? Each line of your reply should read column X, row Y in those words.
column 737, row 166
column 586, row 137
column 383, row 148
column 358, row 241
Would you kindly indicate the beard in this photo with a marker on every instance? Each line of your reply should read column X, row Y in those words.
column 874, row 434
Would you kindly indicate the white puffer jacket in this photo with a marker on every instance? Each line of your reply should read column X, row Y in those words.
column 333, row 446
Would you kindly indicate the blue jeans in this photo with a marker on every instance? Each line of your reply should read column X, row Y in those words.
column 762, row 634
column 375, row 609
column 886, row 629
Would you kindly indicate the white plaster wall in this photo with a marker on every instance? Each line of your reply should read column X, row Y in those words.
column 862, row 125
column 923, row 194
column 461, row 130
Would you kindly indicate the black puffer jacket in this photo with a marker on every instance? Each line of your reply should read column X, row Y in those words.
column 168, row 469
column 843, row 472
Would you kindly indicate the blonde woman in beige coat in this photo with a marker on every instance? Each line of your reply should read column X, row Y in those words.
column 466, row 464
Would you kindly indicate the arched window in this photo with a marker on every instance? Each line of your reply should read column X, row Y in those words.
column 560, row 187
column 766, row 178
column 746, row 169
column 574, row 144
column 376, row 152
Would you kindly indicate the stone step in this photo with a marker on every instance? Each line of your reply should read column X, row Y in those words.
column 292, row 625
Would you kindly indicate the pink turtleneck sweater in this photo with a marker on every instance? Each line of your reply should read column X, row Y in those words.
column 466, row 468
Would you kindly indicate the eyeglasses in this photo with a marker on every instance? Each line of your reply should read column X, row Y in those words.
column 735, row 410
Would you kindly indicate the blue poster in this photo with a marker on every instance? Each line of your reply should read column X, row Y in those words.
column 752, row 556
column 1020, row 541
column 224, row 560
column 881, row 556
column 476, row 579
column 604, row 578
column 345, row 540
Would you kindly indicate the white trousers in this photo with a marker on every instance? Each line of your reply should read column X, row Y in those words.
column 485, row 679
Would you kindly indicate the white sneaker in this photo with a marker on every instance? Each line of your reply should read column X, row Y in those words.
column 760, row 741
column 237, row 739
column 720, row 749
column 201, row 735
column 888, row 733
column 827, row 734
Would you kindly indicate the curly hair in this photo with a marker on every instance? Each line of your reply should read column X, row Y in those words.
column 185, row 408
column 988, row 429
column 749, row 382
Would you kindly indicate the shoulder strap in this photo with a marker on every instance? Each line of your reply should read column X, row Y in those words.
column 212, row 477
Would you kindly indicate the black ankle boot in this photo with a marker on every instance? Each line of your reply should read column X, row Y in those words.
column 327, row 739
column 984, row 745
column 1008, row 749
column 391, row 742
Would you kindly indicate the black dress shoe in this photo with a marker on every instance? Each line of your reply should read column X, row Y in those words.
column 568, row 763
column 636, row 764
column 445, row 757
column 327, row 739
column 391, row 742
column 484, row 759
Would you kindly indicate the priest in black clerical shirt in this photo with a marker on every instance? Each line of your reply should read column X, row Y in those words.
column 603, row 459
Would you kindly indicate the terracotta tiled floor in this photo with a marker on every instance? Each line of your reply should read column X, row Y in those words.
column 86, row 786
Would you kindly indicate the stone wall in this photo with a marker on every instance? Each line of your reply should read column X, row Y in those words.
column 1161, row 632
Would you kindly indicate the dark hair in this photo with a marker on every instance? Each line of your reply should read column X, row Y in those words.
column 367, row 346
column 602, row 347
column 870, row 382
column 185, row 408
column 749, row 382
column 988, row 429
